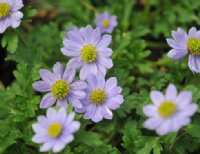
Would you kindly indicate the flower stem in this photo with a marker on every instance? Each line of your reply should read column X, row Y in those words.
column 181, row 135
column 90, row 7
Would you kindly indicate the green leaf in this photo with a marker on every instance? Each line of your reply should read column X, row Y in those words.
column 10, row 39
column 88, row 138
column 193, row 130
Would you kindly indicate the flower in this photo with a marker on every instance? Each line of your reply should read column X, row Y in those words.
column 10, row 16
column 106, row 22
column 170, row 112
column 55, row 130
column 102, row 97
column 184, row 44
column 59, row 86
column 89, row 50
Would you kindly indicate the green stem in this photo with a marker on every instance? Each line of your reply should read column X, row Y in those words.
column 181, row 135
column 157, row 45
column 146, row 10
column 90, row 7
column 22, row 40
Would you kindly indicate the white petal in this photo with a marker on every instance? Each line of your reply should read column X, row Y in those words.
column 150, row 110
column 97, row 116
column 61, row 115
column 90, row 112
column 51, row 113
column 171, row 93
column 153, row 123
column 189, row 110
column 58, row 69
column 41, row 86
column 47, row 146
column 62, row 102
column 58, row 146
column 184, row 98
column 157, row 97
column 70, row 118
column 40, row 138
column 84, row 72
column 106, row 112
column 110, row 83
column 38, row 129
column 47, row 101
column 69, row 74
column 165, row 128
column 105, row 41
column 73, row 127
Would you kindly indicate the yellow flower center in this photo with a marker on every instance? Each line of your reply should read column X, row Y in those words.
column 55, row 129
column 88, row 53
column 193, row 45
column 167, row 108
column 60, row 89
column 4, row 9
column 105, row 23
column 97, row 96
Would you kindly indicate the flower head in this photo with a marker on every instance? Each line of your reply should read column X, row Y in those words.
column 106, row 22
column 89, row 51
column 170, row 112
column 59, row 86
column 183, row 44
column 55, row 130
column 102, row 97
column 10, row 16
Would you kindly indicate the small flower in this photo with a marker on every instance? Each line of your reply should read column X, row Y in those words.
column 59, row 86
column 106, row 22
column 102, row 97
column 170, row 112
column 10, row 16
column 89, row 50
column 183, row 44
column 55, row 130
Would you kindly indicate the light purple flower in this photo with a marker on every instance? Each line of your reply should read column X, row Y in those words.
column 102, row 97
column 10, row 16
column 106, row 22
column 89, row 50
column 183, row 44
column 59, row 86
column 55, row 130
column 170, row 112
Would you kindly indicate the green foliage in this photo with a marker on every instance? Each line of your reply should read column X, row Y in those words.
column 140, row 65
column 10, row 40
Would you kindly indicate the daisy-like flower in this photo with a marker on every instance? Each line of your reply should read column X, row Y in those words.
column 102, row 97
column 10, row 16
column 106, row 22
column 89, row 50
column 60, row 88
column 170, row 112
column 55, row 130
column 183, row 44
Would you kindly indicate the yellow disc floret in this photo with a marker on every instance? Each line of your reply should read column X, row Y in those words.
column 88, row 53
column 167, row 109
column 193, row 45
column 60, row 89
column 4, row 9
column 55, row 129
column 105, row 23
column 97, row 96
